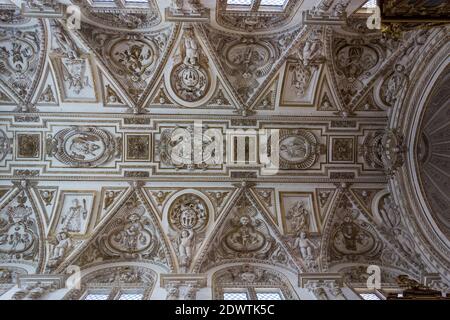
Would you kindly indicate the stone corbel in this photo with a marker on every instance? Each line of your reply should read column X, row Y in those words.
column 335, row 289
column 310, row 18
column 319, row 283
column 317, row 288
column 434, row 281
column 43, row 9
column 187, row 11
column 36, row 286
column 182, row 286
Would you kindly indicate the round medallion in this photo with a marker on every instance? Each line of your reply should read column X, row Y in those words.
column 190, row 83
column 135, row 58
column 294, row 149
column 84, row 146
column 188, row 212
column 298, row 149
column 19, row 54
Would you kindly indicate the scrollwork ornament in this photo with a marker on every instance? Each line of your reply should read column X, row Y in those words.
column 188, row 217
column 190, row 78
column 83, row 146
column 299, row 149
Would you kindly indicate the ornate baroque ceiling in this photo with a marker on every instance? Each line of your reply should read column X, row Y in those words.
column 89, row 179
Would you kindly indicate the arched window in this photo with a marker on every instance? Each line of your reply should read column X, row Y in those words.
column 115, row 283
column 248, row 282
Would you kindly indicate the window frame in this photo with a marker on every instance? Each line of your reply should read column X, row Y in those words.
column 376, row 292
column 252, row 291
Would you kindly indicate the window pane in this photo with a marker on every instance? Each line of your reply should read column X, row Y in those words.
column 370, row 4
column 235, row 296
column 268, row 296
column 272, row 2
column 96, row 296
column 369, row 296
column 240, row 2
column 131, row 296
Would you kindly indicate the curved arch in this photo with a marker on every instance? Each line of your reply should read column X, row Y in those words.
column 254, row 275
column 176, row 195
column 405, row 189
column 114, row 276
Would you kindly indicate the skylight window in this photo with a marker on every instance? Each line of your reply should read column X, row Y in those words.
column 240, row 2
column 235, row 296
column 96, row 296
column 370, row 4
column 268, row 296
column 131, row 296
column 369, row 296
column 278, row 3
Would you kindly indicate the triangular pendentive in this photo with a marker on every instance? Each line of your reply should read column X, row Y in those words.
column 324, row 197
column 267, row 101
column 111, row 95
column 133, row 233
column 5, row 99
column 368, row 103
column 47, row 94
column 20, row 72
column 47, row 198
column 219, row 198
column 248, row 63
column 349, row 234
column 326, row 100
column 268, row 199
column 133, row 60
column 159, row 197
column 365, row 196
column 21, row 229
column 245, row 232
column 110, row 196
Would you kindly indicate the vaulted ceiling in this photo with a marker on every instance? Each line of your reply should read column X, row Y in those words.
column 90, row 108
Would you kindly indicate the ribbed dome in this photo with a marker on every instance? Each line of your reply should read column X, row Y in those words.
column 433, row 152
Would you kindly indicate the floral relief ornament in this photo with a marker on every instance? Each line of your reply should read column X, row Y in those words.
column 19, row 59
column 80, row 146
column 190, row 78
column 188, row 217
column 18, row 230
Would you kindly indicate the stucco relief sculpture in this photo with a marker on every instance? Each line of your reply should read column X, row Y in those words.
column 131, row 234
column 394, row 226
column 352, row 237
column 133, row 237
column 5, row 145
column 71, row 219
column 175, row 148
column 309, row 56
column 356, row 61
column 20, row 54
column 190, row 78
column 243, row 235
column 60, row 248
column 82, row 146
column 384, row 150
column 250, row 276
column 188, row 217
column 298, row 217
column 131, row 58
column 72, row 64
column 299, row 149
column 248, row 60
column 18, row 230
